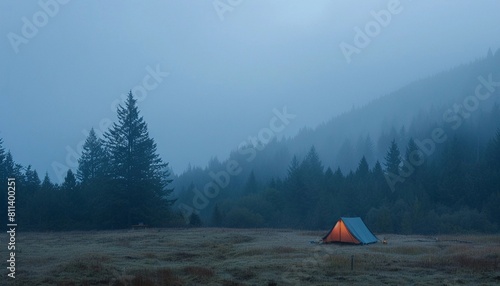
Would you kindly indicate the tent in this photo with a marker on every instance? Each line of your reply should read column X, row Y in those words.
column 350, row 230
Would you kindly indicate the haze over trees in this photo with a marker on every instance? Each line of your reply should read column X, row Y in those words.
column 420, row 160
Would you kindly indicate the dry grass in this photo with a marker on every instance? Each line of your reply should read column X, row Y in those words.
column 178, row 256
column 162, row 276
column 231, row 283
column 461, row 262
column 250, row 257
column 411, row 250
column 238, row 238
column 88, row 269
column 150, row 255
column 282, row 250
column 200, row 272
column 242, row 274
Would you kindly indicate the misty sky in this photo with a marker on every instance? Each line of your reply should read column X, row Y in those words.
column 227, row 71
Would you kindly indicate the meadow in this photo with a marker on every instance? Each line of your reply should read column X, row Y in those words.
column 215, row 256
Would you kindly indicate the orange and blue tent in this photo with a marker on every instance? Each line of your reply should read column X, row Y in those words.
column 350, row 230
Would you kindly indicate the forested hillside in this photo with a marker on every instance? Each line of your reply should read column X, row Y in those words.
column 358, row 164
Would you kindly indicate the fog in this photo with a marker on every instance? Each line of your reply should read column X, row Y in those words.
column 208, row 74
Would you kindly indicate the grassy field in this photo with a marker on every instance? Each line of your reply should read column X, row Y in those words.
column 210, row 256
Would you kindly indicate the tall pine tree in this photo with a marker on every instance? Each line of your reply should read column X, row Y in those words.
column 393, row 159
column 363, row 169
column 138, row 175
column 392, row 163
column 412, row 153
column 69, row 183
column 92, row 163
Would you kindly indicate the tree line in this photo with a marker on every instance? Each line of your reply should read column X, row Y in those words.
column 452, row 193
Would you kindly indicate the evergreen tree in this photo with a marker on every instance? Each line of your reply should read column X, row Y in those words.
column 48, row 209
column 329, row 173
column 392, row 164
column 295, row 191
column 93, row 176
column 32, row 180
column 69, row 183
column 47, row 185
column 393, row 159
column 313, row 164
column 362, row 188
column 71, row 203
column 338, row 175
column 12, row 170
column 363, row 168
column 379, row 184
column 329, row 179
column 294, row 168
column 92, row 163
column 412, row 152
column 413, row 161
column 32, row 188
column 377, row 171
column 138, row 174
column 314, row 180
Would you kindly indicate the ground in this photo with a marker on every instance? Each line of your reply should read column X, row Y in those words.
column 213, row 256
